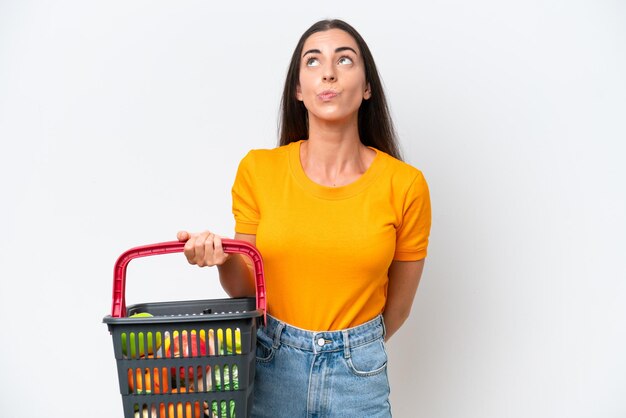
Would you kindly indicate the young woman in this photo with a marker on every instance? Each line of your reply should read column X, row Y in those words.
column 343, row 228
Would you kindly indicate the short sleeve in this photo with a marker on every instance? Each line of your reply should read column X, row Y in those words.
column 414, row 230
column 245, row 207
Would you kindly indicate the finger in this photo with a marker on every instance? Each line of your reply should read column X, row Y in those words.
column 220, row 254
column 189, row 249
column 209, row 250
column 200, row 248
column 182, row 236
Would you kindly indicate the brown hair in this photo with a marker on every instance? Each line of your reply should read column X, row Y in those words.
column 375, row 125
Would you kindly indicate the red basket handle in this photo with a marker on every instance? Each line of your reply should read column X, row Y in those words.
column 232, row 246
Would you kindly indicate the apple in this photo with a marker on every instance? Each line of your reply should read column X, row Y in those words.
column 175, row 351
column 194, row 345
column 140, row 337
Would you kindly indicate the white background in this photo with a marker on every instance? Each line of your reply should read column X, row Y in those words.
column 122, row 122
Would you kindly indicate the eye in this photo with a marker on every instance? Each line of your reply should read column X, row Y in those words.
column 344, row 61
column 312, row 62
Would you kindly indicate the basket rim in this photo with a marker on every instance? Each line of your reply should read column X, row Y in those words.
column 185, row 317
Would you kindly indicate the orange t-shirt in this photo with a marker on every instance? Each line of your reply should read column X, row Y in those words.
column 327, row 250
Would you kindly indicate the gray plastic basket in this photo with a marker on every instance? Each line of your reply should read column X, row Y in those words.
column 186, row 359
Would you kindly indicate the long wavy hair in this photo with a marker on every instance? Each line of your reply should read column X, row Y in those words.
column 374, row 120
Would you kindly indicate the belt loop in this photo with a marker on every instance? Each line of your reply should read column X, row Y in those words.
column 346, row 344
column 277, row 332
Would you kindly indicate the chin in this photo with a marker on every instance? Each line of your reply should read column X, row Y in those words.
column 328, row 115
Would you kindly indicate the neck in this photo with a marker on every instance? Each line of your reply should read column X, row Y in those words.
column 333, row 143
column 334, row 157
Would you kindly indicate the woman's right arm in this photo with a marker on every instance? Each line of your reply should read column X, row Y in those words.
column 236, row 271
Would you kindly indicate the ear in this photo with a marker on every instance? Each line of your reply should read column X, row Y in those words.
column 298, row 92
column 368, row 92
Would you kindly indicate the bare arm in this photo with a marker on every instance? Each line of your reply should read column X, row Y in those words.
column 404, row 277
column 237, row 272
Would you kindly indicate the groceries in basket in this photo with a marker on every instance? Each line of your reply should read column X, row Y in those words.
column 186, row 359
column 188, row 410
column 194, row 344
column 139, row 340
column 183, row 344
column 187, row 344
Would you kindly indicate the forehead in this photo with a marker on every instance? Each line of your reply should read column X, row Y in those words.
column 330, row 40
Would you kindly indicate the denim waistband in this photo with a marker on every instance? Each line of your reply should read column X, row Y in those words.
column 323, row 341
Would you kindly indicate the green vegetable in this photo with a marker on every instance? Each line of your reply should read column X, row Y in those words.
column 218, row 379
column 215, row 413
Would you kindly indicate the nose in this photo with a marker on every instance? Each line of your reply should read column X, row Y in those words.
column 329, row 74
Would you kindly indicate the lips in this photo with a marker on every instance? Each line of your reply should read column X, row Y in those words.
column 327, row 95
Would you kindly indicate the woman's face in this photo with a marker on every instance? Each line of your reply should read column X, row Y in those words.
column 332, row 77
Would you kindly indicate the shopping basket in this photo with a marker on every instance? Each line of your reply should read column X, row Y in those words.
column 186, row 359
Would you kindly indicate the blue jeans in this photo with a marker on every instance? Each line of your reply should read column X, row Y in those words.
column 327, row 374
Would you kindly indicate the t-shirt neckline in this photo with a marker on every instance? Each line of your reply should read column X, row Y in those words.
column 327, row 192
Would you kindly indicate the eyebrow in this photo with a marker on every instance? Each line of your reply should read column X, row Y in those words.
column 340, row 49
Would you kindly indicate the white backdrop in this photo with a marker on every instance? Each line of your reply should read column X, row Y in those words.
column 122, row 122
